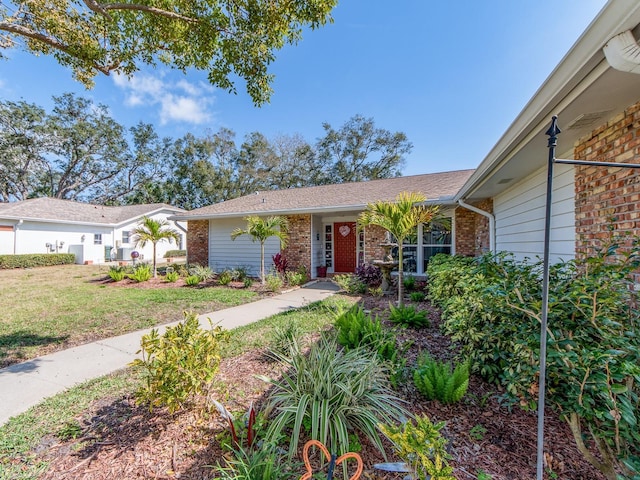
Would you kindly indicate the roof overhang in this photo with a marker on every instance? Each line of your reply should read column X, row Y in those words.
column 443, row 201
column 583, row 90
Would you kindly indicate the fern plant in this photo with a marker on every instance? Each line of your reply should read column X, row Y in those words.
column 439, row 381
column 192, row 280
column 357, row 329
column 408, row 316
column 117, row 273
column 172, row 277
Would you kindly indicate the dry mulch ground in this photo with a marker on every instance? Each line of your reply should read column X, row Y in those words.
column 124, row 441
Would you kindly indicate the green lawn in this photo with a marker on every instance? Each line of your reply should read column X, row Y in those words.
column 50, row 308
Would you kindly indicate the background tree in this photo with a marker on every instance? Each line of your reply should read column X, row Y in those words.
column 22, row 147
column 88, row 148
column 400, row 218
column 154, row 231
column 227, row 39
column 359, row 151
column 260, row 229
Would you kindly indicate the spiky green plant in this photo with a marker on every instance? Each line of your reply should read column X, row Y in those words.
column 334, row 391
column 439, row 381
column 408, row 316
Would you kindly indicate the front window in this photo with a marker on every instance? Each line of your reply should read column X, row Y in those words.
column 126, row 234
column 97, row 239
column 423, row 243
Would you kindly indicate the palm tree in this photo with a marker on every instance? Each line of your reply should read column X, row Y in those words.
column 400, row 218
column 154, row 231
column 260, row 229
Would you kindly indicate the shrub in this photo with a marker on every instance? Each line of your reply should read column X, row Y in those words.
column 247, row 282
column 295, row 278
column 439, row 381
column 593, row 346
column 239, row 274
column 334, row 392
column 409, row 282
column 369, row 274
column 417, row 296
column 280, row 263
column 172, row 277
column 350, row 283
column 422, row 447
column 285, row 337
column 192, row 280
column 31, row 260
column 117, row 273
column 141, row 273
column 357, row 329
column 224, row 278
column 175, row 253
column 376, row 292
column 179, row 364
column 264, row 463
column 204, row 273
column 408, row 316
column 274, row 282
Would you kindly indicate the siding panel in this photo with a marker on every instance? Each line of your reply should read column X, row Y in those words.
column 225, row 253
column 519, row 214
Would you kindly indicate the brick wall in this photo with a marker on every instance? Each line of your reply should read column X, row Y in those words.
column 472, row 229
column 373, row 237
column 198, row 242
column 608, row 199
column 298, row 249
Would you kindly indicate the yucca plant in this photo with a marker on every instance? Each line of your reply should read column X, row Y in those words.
column 439, row 381
column 265, row 463
column 408, row 316
column 205, row 273
column 336, row 392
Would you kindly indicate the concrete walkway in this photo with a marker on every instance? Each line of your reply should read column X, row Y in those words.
column 26, row 384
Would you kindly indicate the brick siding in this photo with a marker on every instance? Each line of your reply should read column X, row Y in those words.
column 472, row 229
column 373, row 237
column 198, row 242
column 608, row 199
column 298, row 249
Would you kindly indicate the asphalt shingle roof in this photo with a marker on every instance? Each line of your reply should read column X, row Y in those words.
column 438, row 187
column 54, row 209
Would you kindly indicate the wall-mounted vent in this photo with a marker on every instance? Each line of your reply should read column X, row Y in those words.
column 504, row 181
column 587, row 120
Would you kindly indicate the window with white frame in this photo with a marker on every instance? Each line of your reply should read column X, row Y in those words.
column 423, row 243
column 126, row 236
column 97, row 239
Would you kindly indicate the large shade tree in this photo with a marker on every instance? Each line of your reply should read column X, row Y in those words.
column 260, row 229
column 227, row 38
column 400, row 218
column 154, row 231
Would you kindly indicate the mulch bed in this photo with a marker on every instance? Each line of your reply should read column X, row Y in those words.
column 125, row 441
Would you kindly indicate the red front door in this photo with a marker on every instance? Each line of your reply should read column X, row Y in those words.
column 344, row 247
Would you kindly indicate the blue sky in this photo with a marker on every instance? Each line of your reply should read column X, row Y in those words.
column 451, row 75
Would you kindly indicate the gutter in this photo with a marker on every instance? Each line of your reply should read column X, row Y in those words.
column 492, row 223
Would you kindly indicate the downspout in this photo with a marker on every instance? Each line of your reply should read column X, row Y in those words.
column 15, row 236
column 492, row 223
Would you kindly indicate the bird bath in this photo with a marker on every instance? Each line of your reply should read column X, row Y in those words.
column 386, row 266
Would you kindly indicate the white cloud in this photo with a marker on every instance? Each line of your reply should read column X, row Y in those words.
column 180, row 101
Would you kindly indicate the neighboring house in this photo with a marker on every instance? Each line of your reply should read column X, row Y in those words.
column 94, row 233
column 597, row 100
column 322, row 225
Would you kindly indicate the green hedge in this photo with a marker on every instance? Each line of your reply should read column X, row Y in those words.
column 175, row 253
column 30, row 260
